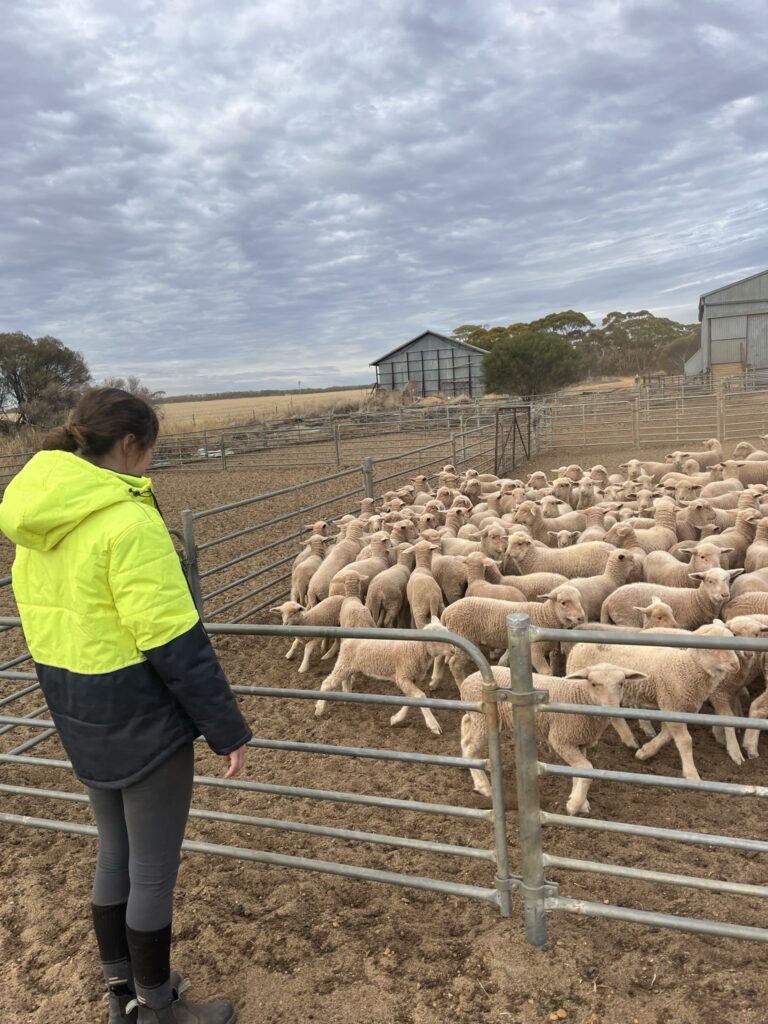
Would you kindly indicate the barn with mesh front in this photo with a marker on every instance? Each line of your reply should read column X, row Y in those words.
column 734, row 328
column 434, row 364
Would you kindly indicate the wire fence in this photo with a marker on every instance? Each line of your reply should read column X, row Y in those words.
column 228, row 580
column 540, row 896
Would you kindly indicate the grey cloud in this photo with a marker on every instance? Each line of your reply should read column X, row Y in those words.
column 229, row 192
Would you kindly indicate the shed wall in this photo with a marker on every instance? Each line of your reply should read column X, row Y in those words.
column 435, row 366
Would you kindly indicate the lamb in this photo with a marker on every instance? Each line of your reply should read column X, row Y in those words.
column 663, row 534
column 531, row 585
column 751, row 603
column 757, row 555
column 530, row 515
column 662, row 567
column 746, row 451
column 710, row 456
column 325, row 613
column 564, row 538
column 752, row 581
column 353, row 614
column 725, row 698
column 718, row 488
column 677, row 680
column 304, row 570
column 493, row 543
column 595, row 528
column 738, row 538
column 386, row 592
column 406, row 663
column 580, row 560
column 691, row 608
column 478, row 586
column 424, row 594
column 484, row 620
column 567, row 735
column 595, row 589
column 747, row 472
column 366, row 568
column 344, row 552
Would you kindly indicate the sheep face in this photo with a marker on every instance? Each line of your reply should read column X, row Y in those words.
column 716, row 663
column 549, row 504
column 657, row 615
column 716, row 584
column 518, row 546
column 567, row 604
column 605, row 683
column 289, row 612
column 564, row 538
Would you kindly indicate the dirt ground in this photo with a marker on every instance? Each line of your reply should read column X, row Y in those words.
column 287, row 945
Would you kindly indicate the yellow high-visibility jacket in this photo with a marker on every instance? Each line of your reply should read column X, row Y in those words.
column 126, row 667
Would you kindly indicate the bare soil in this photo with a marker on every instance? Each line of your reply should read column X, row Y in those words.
column 286, row 945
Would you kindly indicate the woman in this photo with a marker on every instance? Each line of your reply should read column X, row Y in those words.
column 129, row 676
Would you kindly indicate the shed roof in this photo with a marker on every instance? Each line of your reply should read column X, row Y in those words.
column 442, row 337
column 724, row 287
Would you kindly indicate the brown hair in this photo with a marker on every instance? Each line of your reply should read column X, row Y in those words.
column 102, row 417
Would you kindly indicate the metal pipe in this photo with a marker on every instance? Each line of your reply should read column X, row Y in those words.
column 21, row 693
column 528, row 811
column 649, row 639
column 647, row 917
column 498, row 804
column 653, row 832
column 439, row 703
column 368, row 752
column 664, row 781
column 16, row 661
column 33, row 742
column 378, row 838
column 248, row 577
column 655, row 716
column 274, row 494
column 661, row 877
column 285, row 860
column 191, row 557
column 391, row 803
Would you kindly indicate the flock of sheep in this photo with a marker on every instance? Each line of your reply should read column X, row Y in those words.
column 676, row 547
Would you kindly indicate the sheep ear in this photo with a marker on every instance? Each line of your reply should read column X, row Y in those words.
column 580, row 673
column 735, row 572
column 635, row 608
column 727, row 551
column 435, row 621
column 630, row 673
column 696, row 575
column 434, row 547
column 551, row 596
column 551, row 533
column 687, row 545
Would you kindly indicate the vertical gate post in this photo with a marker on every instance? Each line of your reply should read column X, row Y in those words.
column 496, row 468
column 720, row 413
column 205, row 445
column 190, row 553
column 367, row 471
column 463, row 435
column 454, row 455
column 223, row 451
column 477, row 412
column 636, row 422
column 496, row 771
column 524, row 699
column 337, row 441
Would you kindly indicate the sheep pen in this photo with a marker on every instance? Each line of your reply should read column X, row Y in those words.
column 284, row 944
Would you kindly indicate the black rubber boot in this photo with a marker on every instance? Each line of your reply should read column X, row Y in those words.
column 123, row 995
column 182, row 1012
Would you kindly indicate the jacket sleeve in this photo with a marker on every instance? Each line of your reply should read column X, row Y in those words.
column 154, row 604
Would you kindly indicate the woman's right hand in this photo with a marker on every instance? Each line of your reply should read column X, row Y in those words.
column 236, row 760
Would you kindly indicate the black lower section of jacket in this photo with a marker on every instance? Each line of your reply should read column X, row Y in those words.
column 116, row 727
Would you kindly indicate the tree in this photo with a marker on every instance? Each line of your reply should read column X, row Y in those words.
column 40, row 378
column 531, row 362
column 638, row 343
column 134, row 385
column 568, row 324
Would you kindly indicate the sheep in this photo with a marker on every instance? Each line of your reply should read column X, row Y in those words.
column 756, row 556
column 663, row 534
column 710, row 456
column 406, row 663
column 580, row 560
column 757, row 709
column 484, row 620
column 424, row 594
column 531, row 585
column 343, row 552
column 530, row 515
column 747, row 472
column 493, row 543
column 478, row 586
column 366, row 568
column 353, row 614
column 305, row 568
column 678, row 679
column 746, row 451
column 324, row 613
column 751, row 582
column 595, row 525
column 719, row 488
column 595, row 589
column 692, row 608
column 725, row 700
column 567, row 735
column 751, row 603
column 564, row 538
column 662, row 567
column 738, row 538
column 386, row 592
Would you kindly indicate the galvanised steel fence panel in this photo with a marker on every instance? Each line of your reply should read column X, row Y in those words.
column 745, row 412
column 542, row 896
column 498, row 894
column 583, row 424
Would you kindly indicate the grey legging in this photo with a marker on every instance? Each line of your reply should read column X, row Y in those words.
column 141, row 829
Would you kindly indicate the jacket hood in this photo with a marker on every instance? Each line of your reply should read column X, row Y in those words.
column 56, row 491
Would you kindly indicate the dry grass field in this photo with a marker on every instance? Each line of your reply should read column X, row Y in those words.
column 178, row 417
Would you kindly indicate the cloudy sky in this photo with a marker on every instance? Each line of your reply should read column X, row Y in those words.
column 218, row 194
